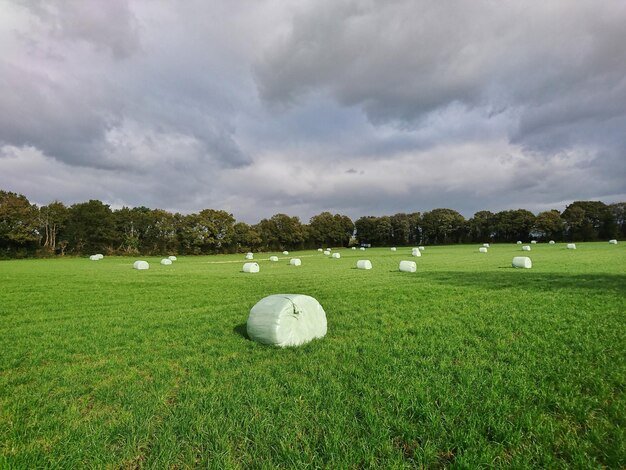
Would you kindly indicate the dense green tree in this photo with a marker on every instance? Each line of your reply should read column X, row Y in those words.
column 90, row 228
column 443, row 226
column 366, row 230
column 549, row 225
column 618, row 211
column 52, row 221
column 19, row 223
column 513, row 225
column 589, row 221
column 281, row 232
column 482, row 227
column 245, row 238
column 405, row 229
column 326, row 229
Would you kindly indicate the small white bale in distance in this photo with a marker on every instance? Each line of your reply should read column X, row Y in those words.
column 522, row 262
column 354, row 247
column 362, row 248
column 393, row 248
column 482, row 249
column 421, row 248
column 408, row 266
column 172, row 258
column 526, row 248
column 327, row 253
column 320, row 250
column 613, row 242
column 336, row 255
column 251, row 268
column 486, row 245
column 100, row 255
column 141, row 265
column 519, row 242
column 249, row 256
column 571, row 246
column 286, row 320
column 285, row 252
column 364, row 264
column 416, row 252
column 551, row 242
column 94, row 258
column 295, row 262
column 166, row 262
column 534, row 242
column 273, row 258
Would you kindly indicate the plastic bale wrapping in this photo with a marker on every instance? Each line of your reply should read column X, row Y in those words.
column 571, row 246
column 336, row 255
column 362, row 248
column 94, row 258
column 408, row 266
column 327, row 253
column 274, row 258
column 364, row 264
column 519, row 242
column 421, row 248
column 285, row 252
column 551, row 242
column 486, row 245
column 613, row 242
column 320, row 250
column 522, row 262
column 295, row 262
column 286, row 320
column 141, row 265
column 416, row 252
column 354, row 247
column 482, row 249
column 249, row 256
column 526, row 248
column 166, row 262
column 393, row 248
column 533, row 242
column 172, row 258
column 251, row 268
column 100, row 256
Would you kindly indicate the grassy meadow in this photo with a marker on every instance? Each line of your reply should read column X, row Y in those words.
column 467, row 363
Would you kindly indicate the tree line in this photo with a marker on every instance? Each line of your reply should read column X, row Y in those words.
column 92, row 226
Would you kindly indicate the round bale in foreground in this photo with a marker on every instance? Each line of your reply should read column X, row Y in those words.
column 166, row 261
column 141, row 265
column 522, row 262
column 364, row 264
column 286, row 320
column 408, row 266
column 251, row 268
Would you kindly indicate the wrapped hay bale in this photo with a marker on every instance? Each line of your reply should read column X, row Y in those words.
column 100, row 255
column 327, row 253
column 286, row 320
column 94, row 258
column 141, row 265
column 166, row 262
column 421, row 248
column 362, row 248
column 482, row 249
column 320, row 250
column 354, row 247
column 336, row 255
column 408, row 266
column 285, row 252
column 519, row 242
column 551, row 242
column 416, row 252
column 364, row 264
column 486, row 245
column 249, row 256
column 534, row 242
column 612, row 242
column 526, row 248
column 172, row 258
column 393, row 248
column 251, row 268
column 522, row 262
column 274, row 258
column 571, row 246
column 295, row 262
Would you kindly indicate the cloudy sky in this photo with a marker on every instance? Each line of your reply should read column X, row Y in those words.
column 359, row 107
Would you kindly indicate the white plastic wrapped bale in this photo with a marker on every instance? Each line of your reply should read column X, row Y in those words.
column 274, row 258
column 94, row 258
column 249, row 256
column 295, row 262
column 612, row 242
column 166, row 261
column 526, row 248
column 571, row 246
column 141, row 265
column 354, row 247
column 551, row 242
column 482, row 249
column 336, row 255
column 251, row 268
column 320, row 250
column 408, row 266
column 286, row 320
column 362, row 248
column 486, row 245
column 285, row 252
column 519, row 242
column 100, row 256
column 533, row 242
column 393, row 248
column 416, row 252
column 364, row 264
column 327, row 253
column 172, row 258
column 522, row 262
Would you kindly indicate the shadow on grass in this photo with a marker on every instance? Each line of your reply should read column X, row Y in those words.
column 241, row 330
column 522, row 279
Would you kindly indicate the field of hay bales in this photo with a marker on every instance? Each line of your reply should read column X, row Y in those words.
column 467, row 362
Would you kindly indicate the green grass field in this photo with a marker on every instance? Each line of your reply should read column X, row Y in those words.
column 467, row 363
